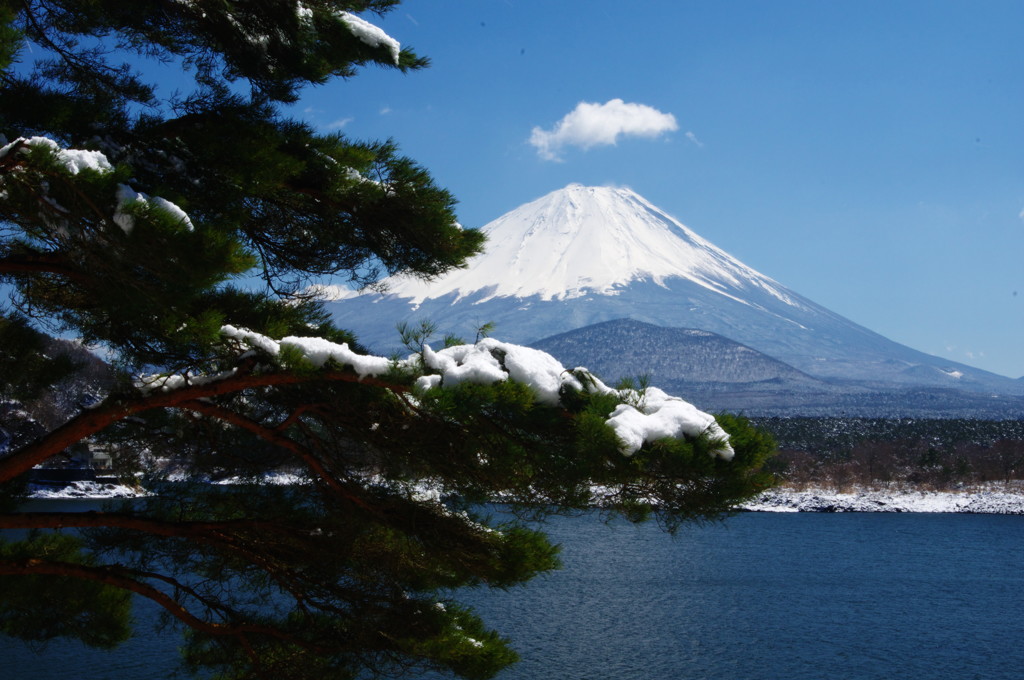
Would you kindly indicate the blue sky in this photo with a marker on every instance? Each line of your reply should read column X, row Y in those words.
column 866, row 154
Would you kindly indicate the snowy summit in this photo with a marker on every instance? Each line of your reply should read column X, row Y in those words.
column 587, row 240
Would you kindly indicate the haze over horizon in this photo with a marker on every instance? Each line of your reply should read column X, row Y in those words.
column 865, row 155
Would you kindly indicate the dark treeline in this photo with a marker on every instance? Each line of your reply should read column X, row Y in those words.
column 896, row 453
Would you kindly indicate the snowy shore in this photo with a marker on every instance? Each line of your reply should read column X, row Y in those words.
column 990, row 500
column 996, row 500
column 82, row 491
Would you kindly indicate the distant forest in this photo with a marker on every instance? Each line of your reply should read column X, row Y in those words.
column 917, row 453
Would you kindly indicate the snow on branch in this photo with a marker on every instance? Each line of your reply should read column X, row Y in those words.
column 73, row 160
column 169, row 383
column 657, row 415
column 644, row 417
column 129, row 198
column 662, row 415
column 370, row 34
column 491, row 360
column 315, row 350
column 126, row 198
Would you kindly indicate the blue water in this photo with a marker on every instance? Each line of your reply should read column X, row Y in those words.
column 762, row 597
column 771, row 596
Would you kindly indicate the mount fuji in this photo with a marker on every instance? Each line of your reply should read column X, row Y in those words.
column 585, row 255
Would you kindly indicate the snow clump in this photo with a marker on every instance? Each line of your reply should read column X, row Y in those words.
column 662, row 415
column 655, row 415
column 126, row 197
column 315, row 350
column 493, row 361
column 74, row 160
column 370, row 34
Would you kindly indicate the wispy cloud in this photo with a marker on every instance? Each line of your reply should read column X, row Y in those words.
column 340, row 123
column 693, row 138
column 592, row 124
column 966, row 353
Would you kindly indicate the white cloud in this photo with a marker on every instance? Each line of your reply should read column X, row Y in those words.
column 330, row 292
column 591, row 124
column 340, row 123
column 693, row 138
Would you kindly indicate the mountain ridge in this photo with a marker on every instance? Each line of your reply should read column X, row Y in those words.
column 585, row 255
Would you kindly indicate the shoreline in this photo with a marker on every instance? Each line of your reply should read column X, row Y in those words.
column 993, row 499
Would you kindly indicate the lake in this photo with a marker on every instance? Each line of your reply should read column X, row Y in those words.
column 763, row 596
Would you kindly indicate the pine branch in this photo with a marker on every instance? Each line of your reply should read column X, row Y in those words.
column 247, row 539
column 115, row 409
column 43, row 263
column 275, row 436
column 118, row 577
column 95, row 519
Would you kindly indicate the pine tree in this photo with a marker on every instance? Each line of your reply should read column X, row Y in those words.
column 181, row 236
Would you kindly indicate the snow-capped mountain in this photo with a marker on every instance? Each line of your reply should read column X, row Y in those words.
column 584, row 241
column 583, row 255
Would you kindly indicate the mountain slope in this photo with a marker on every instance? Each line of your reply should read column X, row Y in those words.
column 585, row 255
column 626, row 348
column 723, row 375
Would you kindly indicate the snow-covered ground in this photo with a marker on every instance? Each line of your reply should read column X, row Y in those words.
column 992, row 500
column 102, row 490
column 83, row 490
